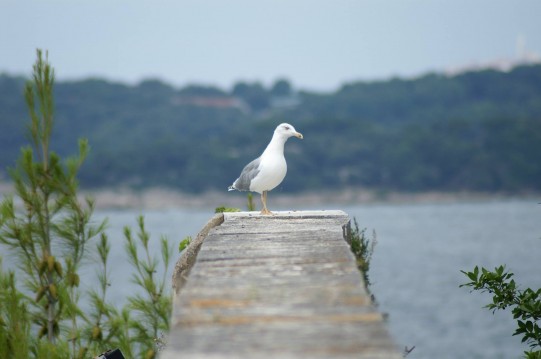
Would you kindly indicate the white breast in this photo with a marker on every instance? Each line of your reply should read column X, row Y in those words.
column 272, row 171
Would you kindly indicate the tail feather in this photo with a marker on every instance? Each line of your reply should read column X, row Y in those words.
column 231, row 188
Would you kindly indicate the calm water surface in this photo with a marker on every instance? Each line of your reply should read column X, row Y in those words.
column 415, row 271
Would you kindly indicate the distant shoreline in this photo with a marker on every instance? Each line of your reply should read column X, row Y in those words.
column 166, row 198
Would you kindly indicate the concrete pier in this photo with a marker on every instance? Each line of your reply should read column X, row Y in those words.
column 282, row 286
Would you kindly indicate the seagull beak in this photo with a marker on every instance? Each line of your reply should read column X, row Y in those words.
column 299, row 135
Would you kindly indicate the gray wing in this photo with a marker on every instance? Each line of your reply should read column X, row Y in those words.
column 248, row 173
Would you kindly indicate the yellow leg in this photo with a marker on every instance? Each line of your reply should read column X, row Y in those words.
column 264, row 201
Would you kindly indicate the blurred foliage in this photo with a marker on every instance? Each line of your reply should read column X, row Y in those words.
column 525, row 304
column 48, row 234
column 184, row 243
column 223, row 209
column 250, row 206
column 362, row 248
column 474, row 131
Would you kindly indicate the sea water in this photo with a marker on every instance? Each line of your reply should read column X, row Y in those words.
column 415, row 268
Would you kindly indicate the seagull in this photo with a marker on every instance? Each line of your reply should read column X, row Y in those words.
column 268, row 170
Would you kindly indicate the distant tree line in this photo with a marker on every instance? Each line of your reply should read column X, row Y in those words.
column 474, row 131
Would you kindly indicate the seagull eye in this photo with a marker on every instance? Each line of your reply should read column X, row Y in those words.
column 286, row 127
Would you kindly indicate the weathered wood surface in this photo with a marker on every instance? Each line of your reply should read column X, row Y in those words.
column 282, row 286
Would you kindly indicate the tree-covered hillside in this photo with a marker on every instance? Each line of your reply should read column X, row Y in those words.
column 474, row 131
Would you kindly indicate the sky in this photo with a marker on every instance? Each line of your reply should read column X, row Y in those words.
column 316, row 45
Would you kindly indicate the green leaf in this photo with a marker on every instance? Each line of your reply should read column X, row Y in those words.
column 184, row 243
column 472, row 276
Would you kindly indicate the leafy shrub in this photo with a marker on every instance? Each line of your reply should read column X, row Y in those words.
column 362, row 248
column 525, row 304
column 49, row 233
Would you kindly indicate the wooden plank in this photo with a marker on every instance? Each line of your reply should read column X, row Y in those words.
column 281, row 286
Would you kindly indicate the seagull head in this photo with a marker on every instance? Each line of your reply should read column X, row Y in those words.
column 286, row 130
